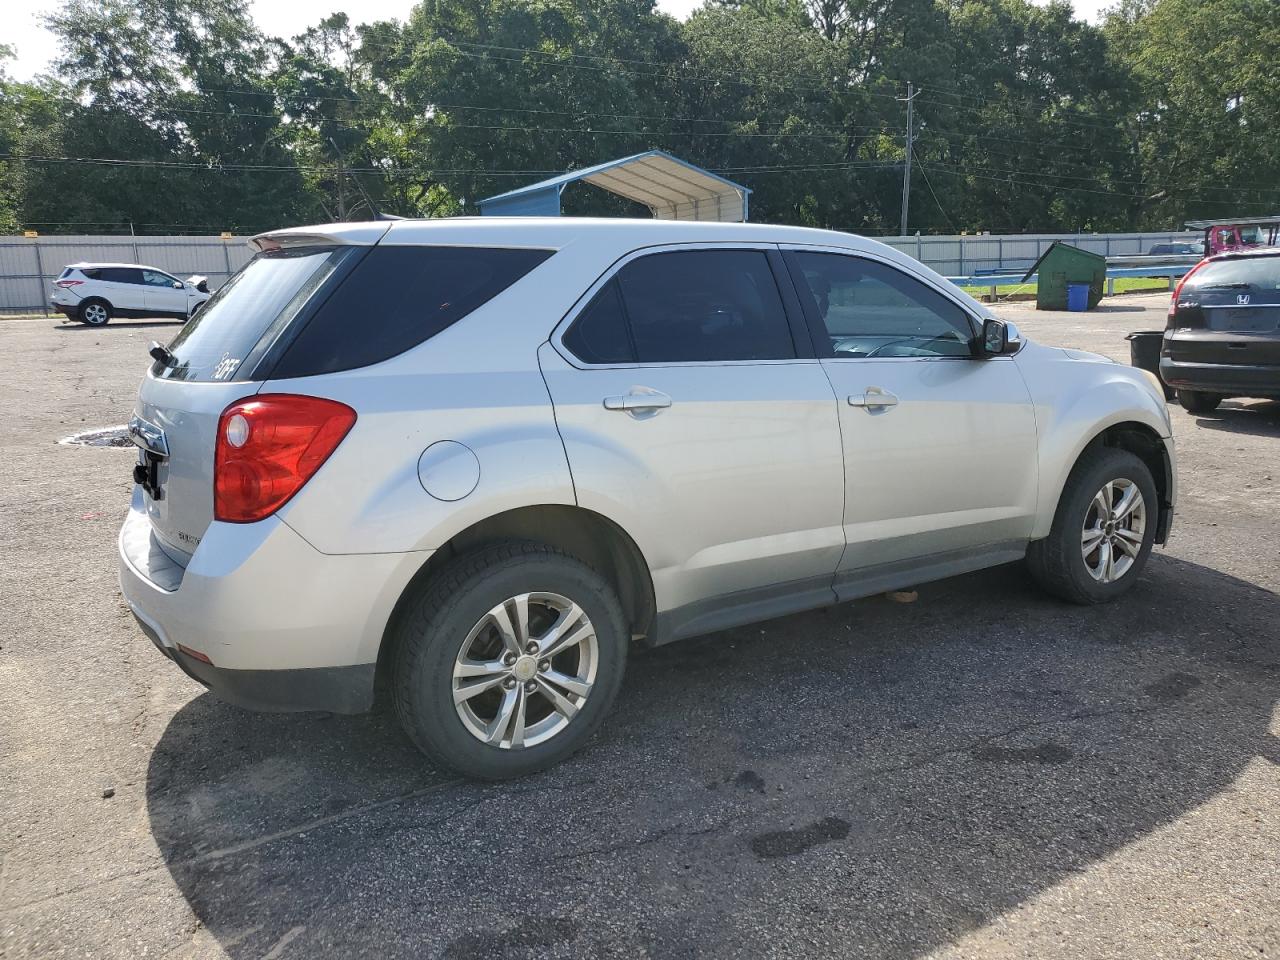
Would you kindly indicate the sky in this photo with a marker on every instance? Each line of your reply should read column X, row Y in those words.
column 283, row 18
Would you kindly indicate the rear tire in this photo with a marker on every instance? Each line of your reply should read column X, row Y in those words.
column 1090, row 556
column 451, row 640
column 95, row 312
column 1196, row 401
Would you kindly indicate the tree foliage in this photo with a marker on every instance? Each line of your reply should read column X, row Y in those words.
column 166, row 115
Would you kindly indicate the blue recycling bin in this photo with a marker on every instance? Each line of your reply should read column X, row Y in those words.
column 1077, row 297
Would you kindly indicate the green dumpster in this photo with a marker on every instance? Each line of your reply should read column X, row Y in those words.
column 1063, row 264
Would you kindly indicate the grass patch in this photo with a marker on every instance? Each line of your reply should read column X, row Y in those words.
column 1123, row 285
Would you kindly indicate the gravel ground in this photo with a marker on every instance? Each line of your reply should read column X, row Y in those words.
column 983, row 772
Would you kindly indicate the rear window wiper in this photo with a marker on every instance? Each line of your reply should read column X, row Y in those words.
column 162, row 354
column 1227, row 286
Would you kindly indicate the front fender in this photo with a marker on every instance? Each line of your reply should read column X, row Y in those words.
column 1077, row 398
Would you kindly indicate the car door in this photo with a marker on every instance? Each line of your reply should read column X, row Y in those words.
column 695, row 415
column 940, row 444
column 163, row 298
column 123, row 288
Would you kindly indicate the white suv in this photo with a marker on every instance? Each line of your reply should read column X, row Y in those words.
column 93, row 293
column 478, row 458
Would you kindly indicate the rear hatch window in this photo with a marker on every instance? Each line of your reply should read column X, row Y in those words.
column 1237, row 295
column 235, row 328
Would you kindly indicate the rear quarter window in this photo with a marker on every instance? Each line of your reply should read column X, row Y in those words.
column 397, row 297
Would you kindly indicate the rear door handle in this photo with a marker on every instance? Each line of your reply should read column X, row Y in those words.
column 639, row 401
column 873, row 399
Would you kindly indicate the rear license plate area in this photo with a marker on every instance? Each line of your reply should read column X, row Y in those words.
column 146, row 473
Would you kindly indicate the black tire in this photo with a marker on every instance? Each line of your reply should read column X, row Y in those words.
column 95, row 312
column 429, row 636
column 1057, row 562
column 1196, row 401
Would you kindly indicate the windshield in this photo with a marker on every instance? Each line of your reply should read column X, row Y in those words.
column 242, row 320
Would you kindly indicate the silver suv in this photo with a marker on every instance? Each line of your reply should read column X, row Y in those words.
column 469, row 462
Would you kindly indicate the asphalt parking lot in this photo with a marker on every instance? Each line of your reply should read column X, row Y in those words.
column 983, row 772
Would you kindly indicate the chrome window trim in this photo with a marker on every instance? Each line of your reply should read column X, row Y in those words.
column 557, row 334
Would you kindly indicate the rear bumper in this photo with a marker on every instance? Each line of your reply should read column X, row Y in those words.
column 284, row 627
column 1232, row 380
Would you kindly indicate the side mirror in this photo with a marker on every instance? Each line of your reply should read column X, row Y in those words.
column 177, row 284
column 995, row 338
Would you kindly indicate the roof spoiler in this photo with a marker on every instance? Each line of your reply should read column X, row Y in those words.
column 334, row 234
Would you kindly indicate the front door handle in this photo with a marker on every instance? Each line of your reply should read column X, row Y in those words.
column 873, row 399
column 641, row 401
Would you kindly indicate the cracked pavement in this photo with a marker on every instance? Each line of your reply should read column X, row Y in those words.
column 983, row 772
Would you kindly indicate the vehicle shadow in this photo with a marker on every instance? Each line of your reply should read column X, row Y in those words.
column 117, row 324
column 873, row 780
column 1259, row 417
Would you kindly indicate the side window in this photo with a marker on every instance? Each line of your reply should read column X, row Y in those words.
column 154, row 278
column 121, row 275
column 600, row 334
column 93, row 273
column 705, row 305
column 873, row 310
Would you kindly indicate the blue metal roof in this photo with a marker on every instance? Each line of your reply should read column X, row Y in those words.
column 671, row 188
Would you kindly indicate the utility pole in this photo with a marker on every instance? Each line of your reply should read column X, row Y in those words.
column 906, row 169
column 342, row 183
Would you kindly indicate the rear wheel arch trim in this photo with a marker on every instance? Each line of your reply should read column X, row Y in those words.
column 571, row 529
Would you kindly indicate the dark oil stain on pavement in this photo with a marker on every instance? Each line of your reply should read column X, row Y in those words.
column 788, row 843
column 1173, row 687
column 1044, row 753
column 749, row 780
column 529, row 937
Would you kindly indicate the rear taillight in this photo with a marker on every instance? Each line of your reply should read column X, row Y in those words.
column 1177, row 291
column 268, row 447
column 67, row 283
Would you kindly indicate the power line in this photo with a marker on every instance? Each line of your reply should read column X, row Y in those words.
column 925, row 174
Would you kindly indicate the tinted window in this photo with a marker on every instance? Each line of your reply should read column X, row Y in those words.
column 600, row 333
column 704, row 305
column 398, row 297
column 1255, row 273
column 93, row 273
column 249, row 311
column 120, row 275
column 872, row 310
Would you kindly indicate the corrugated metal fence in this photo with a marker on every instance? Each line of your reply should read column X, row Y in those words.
column 29, row 265
column 1011, row 253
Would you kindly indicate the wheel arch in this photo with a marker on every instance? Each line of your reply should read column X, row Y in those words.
column 1144, row 442
column 588, row 536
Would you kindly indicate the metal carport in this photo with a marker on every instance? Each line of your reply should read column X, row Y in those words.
column 671, row 188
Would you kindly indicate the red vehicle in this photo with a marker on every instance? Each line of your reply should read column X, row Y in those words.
column 1225, row 236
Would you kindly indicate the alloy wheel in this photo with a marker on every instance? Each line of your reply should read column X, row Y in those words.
column 524, row 670
column 95, row 313
column 1115, row 525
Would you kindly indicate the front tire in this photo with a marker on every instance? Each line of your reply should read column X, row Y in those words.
column 96, row 313
column 508, row 660
column 1102, row 532
column 1196, row 401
